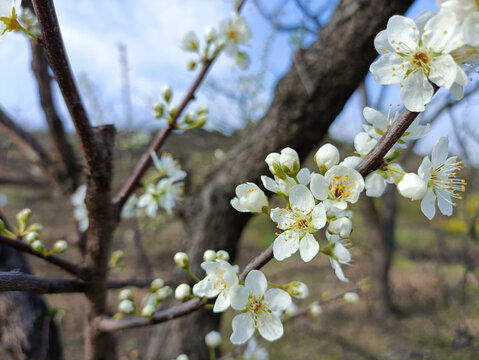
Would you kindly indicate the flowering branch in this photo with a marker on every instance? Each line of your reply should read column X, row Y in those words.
column 75, row 269
column 145, row 161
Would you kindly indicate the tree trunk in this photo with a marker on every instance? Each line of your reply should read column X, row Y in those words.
column 299, row 117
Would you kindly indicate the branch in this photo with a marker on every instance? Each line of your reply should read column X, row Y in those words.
column 75, row 269
column 17, row 281
column 18, row 180
column 145, row 161
column 53, row 43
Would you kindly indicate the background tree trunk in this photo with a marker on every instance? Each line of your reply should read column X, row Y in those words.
column 299, row 117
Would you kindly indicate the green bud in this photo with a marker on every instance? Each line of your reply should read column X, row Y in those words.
column 167, row 93
column 192, row 65
column 38, row 246
column 158, row 110
column 172, row 110
column 157, row 284
column 31, row 237
column 36, row 227
column 60, row 246
column 22, row 219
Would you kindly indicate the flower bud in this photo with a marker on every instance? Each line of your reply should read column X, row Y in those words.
column 250, row 198
column 326, row 157
column 182, row 357
column 351, row 298
column 164, row 293
column 158, row 110
column 36, row 227
column 23, row 217
column 125, row 294
column 223, row 255
column 289, row 161
column 38, row 246
column 191, row 65
column 412, row 187
column 182, row 260
column 190, row 42
column 182, row 292
column 242, row 60
column 213, row 339
column 60, row 246
column 274, row 166
column 157, row 284
column 202, row 110
column 126, row 307
column 342, row 227
column 297, row 289
column 209, row 255
column 315, row 309
column 172, row 110
column 148, row 311
column 31, row 237
column 190, row 117
column 167, row 93
column 210, row 34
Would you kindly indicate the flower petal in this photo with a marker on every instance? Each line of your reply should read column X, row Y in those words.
column 428, row 206
column 382, row 69
column 222, row 303
column 285, row 245
column 375, row 185
column 402, row 33
column 319, row 186
column 243, row 328
column 308, row 247
column 301, row 199
column 416, row 92
column 256, row 282
column 270, row 328
column 318, row 216
column 440, row 151
column 438, row 30
column 443, row 71
column 278, row 299
column 444, row 202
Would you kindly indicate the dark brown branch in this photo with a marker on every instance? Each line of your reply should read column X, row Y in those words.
column 18, row 281
column 75, row 269
column 18, row 180
column 53, row 43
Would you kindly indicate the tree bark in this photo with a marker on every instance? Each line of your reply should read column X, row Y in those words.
column 299, row 117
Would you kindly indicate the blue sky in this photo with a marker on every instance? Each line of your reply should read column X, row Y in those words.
column 151, row 31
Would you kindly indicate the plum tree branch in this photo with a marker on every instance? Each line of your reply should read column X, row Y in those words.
column 79, row 270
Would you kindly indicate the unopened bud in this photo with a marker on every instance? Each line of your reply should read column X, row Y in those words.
column 326, row 157
column 36, row 227
column 223, row 255
column 157, row 284
column 274, row 165
column 60, row 246
column 291, row 310
column 297, row 289
column 182, row 357
column 342, row 227
column 167, row 93
column 125, row 294
column 158, row 110
column 164, row 293
column 190, row 117
column 289, row 161
column 126, row 307
column 148, row 311
column 31, row 237
column 182, row 260
column 210, row 34
column 191, row 65
column 37, row 246
column 315, row 309
column 182, row 291
column 213, row 339
column 351, row 298
column 209, row 255
column 202, row 110
column 172, row 110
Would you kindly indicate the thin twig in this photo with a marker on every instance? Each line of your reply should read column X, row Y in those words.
column 78, row 270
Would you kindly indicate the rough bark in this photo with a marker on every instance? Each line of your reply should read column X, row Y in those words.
column 335, row 65
column 27, row 331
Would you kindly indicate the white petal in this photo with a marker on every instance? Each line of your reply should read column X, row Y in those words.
column 376, row 118
column 438, row 30
column 301, row 198
column 443, row 71
column 402, row 33
column 235, row 203
column 440, row 151
column 270, row 328
column 338, row 270
column 256, row 282
column 239, row 297
column 308, row 247
column 382, row 69
column 285, row 245
column 423, row 17
column 318, row 216
column 304, row 176
column 343, row 254
column 444, row 202
column 416, row 92
column 424, row 170
column 269, row 184
column 222, row 303
column 243, row 328
column 319, row 186
column 428, row 206
column 381, row 43
column 375, row 185
column 279, row 299
column 471, row 29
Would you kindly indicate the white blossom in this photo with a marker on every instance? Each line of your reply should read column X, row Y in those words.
column 338, row 186
column 80, row 212
column 412, row 186
column 414, row 57
column 249, row 198
column 257, row 306
column 254, row 352
column 166, row 165
column 234, row 32
column 340, row 255
column 439, row 173
column 190, row 42
column 470, row 30
column 221, row 278
column 299, row 222
column 210, row 34
column 282, row 186
column 165, row 193
column 341, row 226
column 461, row 8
